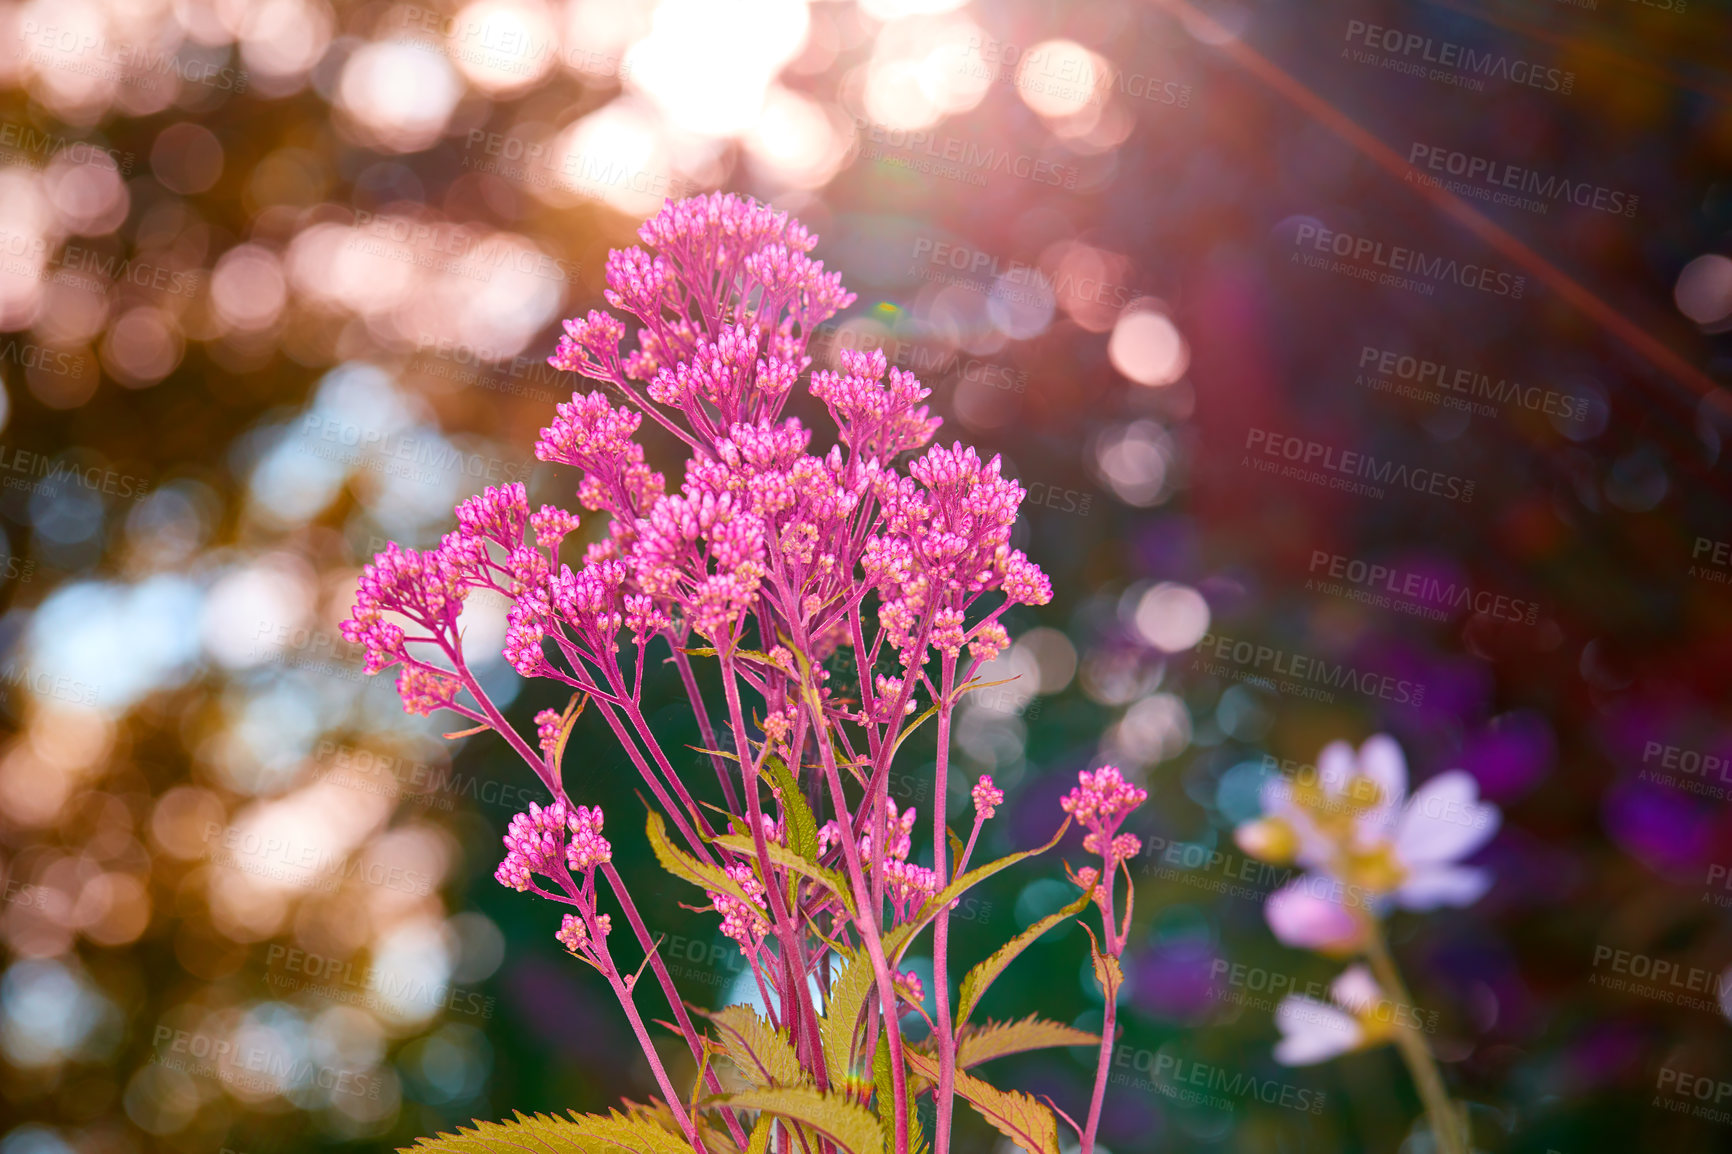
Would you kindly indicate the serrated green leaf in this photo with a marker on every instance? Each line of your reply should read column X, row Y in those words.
column 781, row 855
column 852, row 1127
column 849, row 989
column 688, row 868
column 981, row 977
column 884, row 1086
column 996, row 1039
column 580, row 1134
column 802, row 827
column 762, row 1053
column 1107, row 970
column 899, row 939
column 760, row 1140
column 1018, row 1117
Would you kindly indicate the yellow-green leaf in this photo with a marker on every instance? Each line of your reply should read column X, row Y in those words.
column 797, row 816
column 899, row 939
column 884, row 1085
column 1107, row 970
column 781, row 855
column 978, row 979
column 762, row 1053
column 1018, row 1117
column 852, row 1127
column 849, row 989
column 580, row 1134
column 688, row 868
column 996, row 1039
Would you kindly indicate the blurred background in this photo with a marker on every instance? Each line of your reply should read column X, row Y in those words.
column 277, row 282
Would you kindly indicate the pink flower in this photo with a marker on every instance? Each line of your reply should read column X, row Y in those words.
column 987, row 797
column 1305, row 918
column 1099, row 803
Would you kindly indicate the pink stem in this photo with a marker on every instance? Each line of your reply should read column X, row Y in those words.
column 674, row 1000
column 946, row 1032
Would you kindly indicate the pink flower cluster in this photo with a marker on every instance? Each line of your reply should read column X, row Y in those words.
column 1100, row 803
column 781, row 559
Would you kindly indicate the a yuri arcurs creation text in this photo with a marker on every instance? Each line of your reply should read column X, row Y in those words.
column 881, row 558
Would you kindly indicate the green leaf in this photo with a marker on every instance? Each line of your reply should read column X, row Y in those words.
column 996, row 1039
column 884, row 1083
column 975, row 985
column 797, row 815
column 849, row 990
column 899, row 939
column 1018, row 1117
column 761, row 1052
column 1107, row 970
column 688, row 868
column 781, row 855
column 852, row 1127
column 760, row 1140
column 581, row 1134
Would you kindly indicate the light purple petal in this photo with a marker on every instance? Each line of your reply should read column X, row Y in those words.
column 1313, row 1031
column 1335, row 766
column 1356, row 989
column 1381, row 760
column 1445, row 821
column 1435, row 886
column 1302, row 914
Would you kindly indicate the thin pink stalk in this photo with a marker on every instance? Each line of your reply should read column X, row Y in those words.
column 945, row 1032
column 677, row 1003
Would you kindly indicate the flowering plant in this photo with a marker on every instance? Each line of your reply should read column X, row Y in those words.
column 1366, row 848
column 780, row 565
